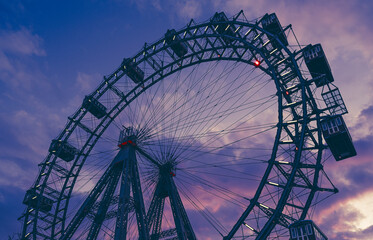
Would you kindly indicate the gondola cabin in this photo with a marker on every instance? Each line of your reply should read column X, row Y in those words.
column 180, row 48
column 306, row 230
column 222, row 27
column 317, row 64
column 96, row 108
column 132, row 70
column 337, row 137
column 271, row 24
column 31, row 199
column 63, row 150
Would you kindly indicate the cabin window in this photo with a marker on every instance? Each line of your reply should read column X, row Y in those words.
column 333, row 128
column 313, row 54
column 309, row 229
column 317, row 49
column 272, row 18
column 318, row 235
column 338, row 120
column 324, row 126
column 304, row 233
column 299, row 231
column 293, row 232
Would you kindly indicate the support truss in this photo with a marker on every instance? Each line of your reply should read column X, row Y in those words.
column 124, row 167
column 166, row 188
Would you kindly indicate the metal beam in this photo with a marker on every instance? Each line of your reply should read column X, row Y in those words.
column 123, row 204
column 155, row 212
column 137, row 196
column 183, row 226
column 88, row 203
column 104, row 205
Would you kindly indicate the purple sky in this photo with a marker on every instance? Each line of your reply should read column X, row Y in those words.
column 53, row 53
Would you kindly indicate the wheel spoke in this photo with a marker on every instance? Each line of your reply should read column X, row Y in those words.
column 217, row 119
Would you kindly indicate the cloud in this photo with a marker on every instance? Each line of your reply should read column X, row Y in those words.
column 252, row 9
column 347, row 215
column 86, row 83
column 14, row 174
column 344, row 33
column 180, row 9
column 17, row 63
column 343, row 30
column 28, row 118
column 189, row 9
column 348, row 219
column 11, row 208
column 24, row 141
column 4, row 62
column 22, row 42
column 2, row 198
column 363, row 126
column 27, row 131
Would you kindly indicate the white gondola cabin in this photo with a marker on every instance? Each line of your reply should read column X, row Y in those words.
column 96, row 108
column 63, row 150
column 132, row 70
column 317, row 64
column 306, row 230
column 337, row 137
column 174, row 41
column 222, row 27
column 271, row 24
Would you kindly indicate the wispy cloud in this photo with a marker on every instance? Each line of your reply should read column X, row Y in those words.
column 86, row 83
column 189, row 9
column 18, row 68
column 14, row 174
column 25, row 117
column 363, row 126
column 349, row 219
column 22, row 42
column 347, row 215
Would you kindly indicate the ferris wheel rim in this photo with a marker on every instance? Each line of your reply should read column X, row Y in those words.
column 105, row 82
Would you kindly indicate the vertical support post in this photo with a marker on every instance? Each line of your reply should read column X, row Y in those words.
column 176, row 211
column 155, row 212
column 166, row 188
column 158, row 219
column 130, row 177
column 185, row 231
column 138, row 198
column 123, row 205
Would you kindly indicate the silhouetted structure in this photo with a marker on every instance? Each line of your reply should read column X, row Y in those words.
column 306, row 230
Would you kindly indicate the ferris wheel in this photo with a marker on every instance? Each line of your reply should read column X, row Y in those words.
column 215, row 131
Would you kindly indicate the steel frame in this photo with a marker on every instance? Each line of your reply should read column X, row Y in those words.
column 295, row 96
